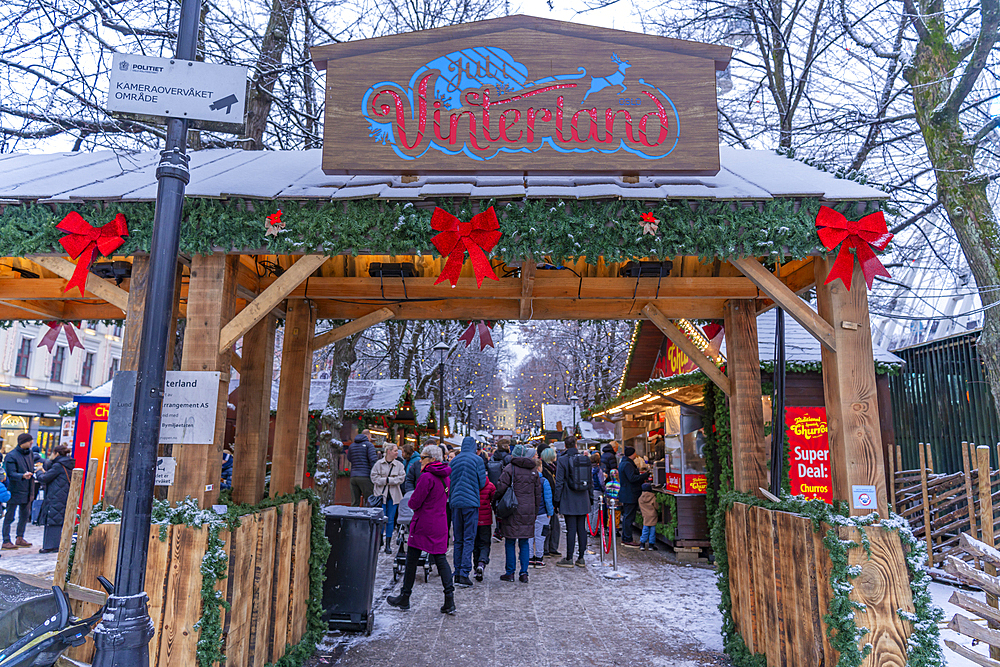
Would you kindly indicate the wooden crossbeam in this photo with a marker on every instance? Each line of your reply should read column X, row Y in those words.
column 45, row 311
column 527, row 286
column 800, row 311
column 268, row 299
column 687, row 347
column 99, row 287
column 332, row 336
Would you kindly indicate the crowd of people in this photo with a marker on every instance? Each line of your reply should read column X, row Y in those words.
column 26, row 472
column 510, row 493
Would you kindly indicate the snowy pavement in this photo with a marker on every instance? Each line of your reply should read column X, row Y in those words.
column 662, row 614
column 27, row 560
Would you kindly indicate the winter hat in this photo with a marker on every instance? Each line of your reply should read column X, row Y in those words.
column 647, row 487
column 23, row 438
column 629, row 451
column 518, row 450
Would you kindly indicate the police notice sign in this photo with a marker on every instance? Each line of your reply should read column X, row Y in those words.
column 177, row 88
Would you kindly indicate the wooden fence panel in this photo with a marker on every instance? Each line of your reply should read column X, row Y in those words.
column 242, row 572
column 766, row 585
column 740, row 592
column 800, row 614
column 299, row 598
column 182, row 603
column 263, row 585
column 157, row 570
column 282, row 581
column 102, row 555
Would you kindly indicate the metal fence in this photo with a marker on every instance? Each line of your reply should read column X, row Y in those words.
column 942, row 397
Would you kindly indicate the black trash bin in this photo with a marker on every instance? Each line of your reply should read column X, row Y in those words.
column 355, row 535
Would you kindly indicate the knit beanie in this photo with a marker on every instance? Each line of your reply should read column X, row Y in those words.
column 629, row 451
column 23, row 438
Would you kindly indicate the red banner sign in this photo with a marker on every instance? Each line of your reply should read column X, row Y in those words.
column 692, row 483
column 809, row 453
column 674, row 362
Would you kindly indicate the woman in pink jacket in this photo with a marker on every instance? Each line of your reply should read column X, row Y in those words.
column 428, row 528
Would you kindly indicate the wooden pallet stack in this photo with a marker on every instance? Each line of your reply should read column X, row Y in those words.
column 983, row 627
column 267, row 586
column 937, row 506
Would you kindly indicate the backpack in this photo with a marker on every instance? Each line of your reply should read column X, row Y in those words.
column 507, row 505
column 580, row 478
column 493, row 470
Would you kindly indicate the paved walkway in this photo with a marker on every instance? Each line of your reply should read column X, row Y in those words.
column 28, row 560
column 663, row 614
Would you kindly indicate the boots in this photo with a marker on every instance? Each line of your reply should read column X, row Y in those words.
column 449, row 604
column 400, row 601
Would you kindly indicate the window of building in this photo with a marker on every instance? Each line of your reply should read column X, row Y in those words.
column 23, row 358
column 118, row 330
column 113, row 369
column 88, row 370
column 58, row 361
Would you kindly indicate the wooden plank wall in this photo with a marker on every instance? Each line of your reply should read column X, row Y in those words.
column 267, row 586
column 779, row 574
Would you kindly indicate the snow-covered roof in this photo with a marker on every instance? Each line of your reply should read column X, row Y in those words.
column 103, row 391
column 553, row 413
column 297, row 175
column 422, row 410
column 377, row 395
column 799, row 343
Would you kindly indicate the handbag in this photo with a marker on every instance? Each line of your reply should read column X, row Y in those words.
column 375, row 500
column 508, row 502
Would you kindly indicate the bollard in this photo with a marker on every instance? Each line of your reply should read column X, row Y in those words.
column 614, row 574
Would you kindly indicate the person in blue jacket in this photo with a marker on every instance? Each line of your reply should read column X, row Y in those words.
column 361, row 455
column 468, row 477
column 543, row 516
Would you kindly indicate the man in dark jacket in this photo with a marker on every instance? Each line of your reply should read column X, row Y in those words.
column 468, row 477
column 19, row 465
column 574, row 504
column 609, row 458
column 361, row 456
column 631, row 481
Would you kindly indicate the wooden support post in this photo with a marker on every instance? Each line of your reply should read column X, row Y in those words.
column 253, row 412
column 211, row 303
column 684, row 343
column 899, row 457
column 746, row 412
column 288, row 455
column 850, row 392
column 970, row 499
column 69, row 524
column 527, row 287
column 926, row 505
column 986, row 520
column 892, row 482
column 83, row 534
column 930, row 458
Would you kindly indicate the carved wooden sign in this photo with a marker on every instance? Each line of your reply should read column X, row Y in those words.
column 521, row 94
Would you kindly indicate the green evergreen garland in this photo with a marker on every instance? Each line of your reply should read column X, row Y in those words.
column 668, row 529
column 557, row 229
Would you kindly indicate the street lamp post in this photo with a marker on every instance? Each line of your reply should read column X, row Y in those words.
column 441, row 349
column 469, row 400
column 573, row 399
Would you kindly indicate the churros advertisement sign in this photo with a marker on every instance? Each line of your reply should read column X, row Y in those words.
column 520, row 93
column 809, row 453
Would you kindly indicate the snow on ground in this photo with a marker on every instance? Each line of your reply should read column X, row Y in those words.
column 941, row 592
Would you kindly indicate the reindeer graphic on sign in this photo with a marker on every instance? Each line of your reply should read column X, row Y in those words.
column 598, row 83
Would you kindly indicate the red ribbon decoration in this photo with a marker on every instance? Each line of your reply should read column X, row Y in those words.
column 861, row 235
column 485, row 335
column 83, row 241
column 478, row 237
column 52, row 335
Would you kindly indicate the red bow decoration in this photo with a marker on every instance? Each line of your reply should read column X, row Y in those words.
column 478, row 237
column 861, row 235
column 83, row 241
column 52, row 335
column 485, row 336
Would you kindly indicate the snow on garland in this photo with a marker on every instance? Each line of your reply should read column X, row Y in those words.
column 923, row 646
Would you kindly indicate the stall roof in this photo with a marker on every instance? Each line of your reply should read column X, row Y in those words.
column 297, row 175
column 553, row 413
column 102, row 391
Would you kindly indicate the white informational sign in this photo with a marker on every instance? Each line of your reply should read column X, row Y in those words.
column 190, row 399
column 177, row 88
column 67, row 431
column 863, row 497
column 165, row 467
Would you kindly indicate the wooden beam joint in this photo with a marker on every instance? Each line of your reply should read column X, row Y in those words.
column 687, row 347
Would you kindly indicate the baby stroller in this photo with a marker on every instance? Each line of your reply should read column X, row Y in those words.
column 36, row 625
column 403, row 517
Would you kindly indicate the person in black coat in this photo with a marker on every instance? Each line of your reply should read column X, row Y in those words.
column 18, row 464
column 56, row 476
column 631, row 480
column 573, row 505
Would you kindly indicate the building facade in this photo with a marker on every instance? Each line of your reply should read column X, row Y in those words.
column 34, row 382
